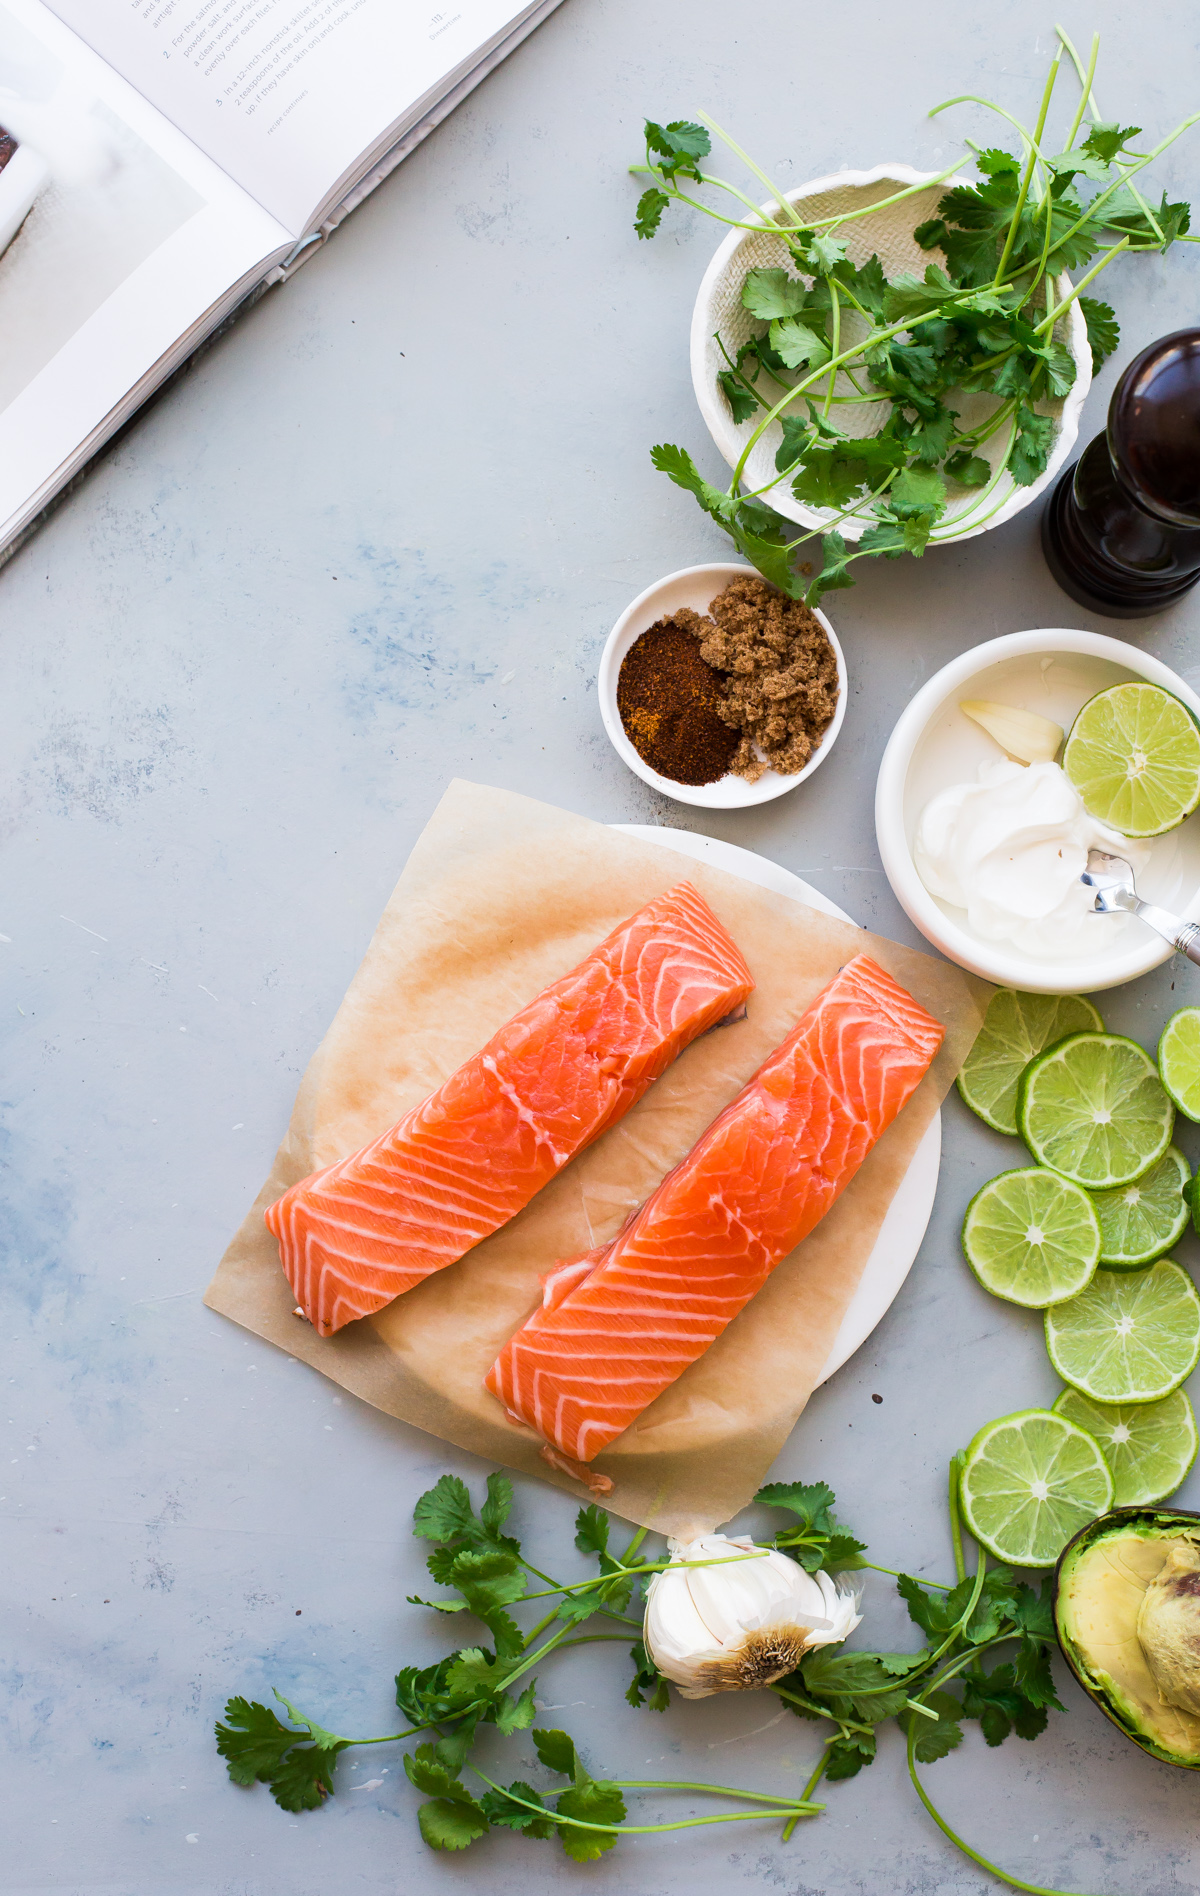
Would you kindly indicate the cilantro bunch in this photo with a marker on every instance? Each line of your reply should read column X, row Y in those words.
column 929, row 1692
column 984, row 319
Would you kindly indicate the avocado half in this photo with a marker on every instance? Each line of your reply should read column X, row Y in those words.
column 1121, row 1563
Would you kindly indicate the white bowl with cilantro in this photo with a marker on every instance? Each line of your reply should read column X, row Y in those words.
column 722, row 325
column 1051, row 672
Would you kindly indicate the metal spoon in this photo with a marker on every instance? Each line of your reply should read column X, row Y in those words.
column 1112, row 879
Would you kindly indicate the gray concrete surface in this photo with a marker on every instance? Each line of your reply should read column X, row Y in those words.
column 376, row 539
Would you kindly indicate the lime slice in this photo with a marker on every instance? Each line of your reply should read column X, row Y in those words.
column 1134, row 756
column 1179, row 1060
column 1093, row 1108
column 1131, row 1336
column 1031, row 1237
column 1015, row 1027
column 1029, row 1481
column 1142, row 1221
column 1149, row 1446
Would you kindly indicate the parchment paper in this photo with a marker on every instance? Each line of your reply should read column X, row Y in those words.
column 500, row 896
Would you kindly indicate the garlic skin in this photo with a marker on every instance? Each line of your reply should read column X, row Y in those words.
column 1028, row 738
column 741, row 1625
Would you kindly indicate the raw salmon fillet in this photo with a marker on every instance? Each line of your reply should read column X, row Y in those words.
column 617, row 1326
column 465, row 1161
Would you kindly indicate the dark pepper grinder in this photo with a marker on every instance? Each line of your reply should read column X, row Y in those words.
column 1121, row 531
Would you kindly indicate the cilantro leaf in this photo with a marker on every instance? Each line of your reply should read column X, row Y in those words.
column 445, row 1512
column 1034, row 1612
column 909, row 296
column 854, row 1684
column 647, row 1687
column 832, row 577
column 771, row 293
column 297, row 1765
column 650, row 208
column 502, row 1808
column 819, row 255
column 1012, row 377
column 448, row 1824
column 969, row 469
column 817, row 1540
column 796, row 345
column 999, row 1704
column 1103, row 333
column 810, row 1502
column 917, row 490
column 498, row 1506
column 892, row 537
column 515, row 1714
column 934, row 1741
column 595, row 1802
column 678, row 147
column 591, row 1530
column 1032, row 1674
column 1031, row 450
column 430, row 1774
column 474, row 1674
column 556, row 1749
column 1060, row 366
column 742, row 404
column 993, row 161
column 848, row 1754
column 252, row 1742
column 1107, row 138
column 868, row 284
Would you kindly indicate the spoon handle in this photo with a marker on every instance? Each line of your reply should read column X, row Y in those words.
column 1185, row 936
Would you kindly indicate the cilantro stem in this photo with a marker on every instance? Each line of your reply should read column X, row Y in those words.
column 973, row 98
column 1085, row 81
column 1089, row 212
column 879, row 204
column 1023, row 193
column 896, row 1574
column 780, row 199
column 960, row 1565
column 835, row 341
column 821, row 1711
column 1049, row 321
column 1014, row 1882
column 632, row 1830
column 1089, row 99
column 811, row 1786
column 724, row 1790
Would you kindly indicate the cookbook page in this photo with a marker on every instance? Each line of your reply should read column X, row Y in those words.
column 116, row 236
column 289, row 95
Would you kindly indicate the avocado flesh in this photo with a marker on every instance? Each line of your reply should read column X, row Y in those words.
column 1099, row 1600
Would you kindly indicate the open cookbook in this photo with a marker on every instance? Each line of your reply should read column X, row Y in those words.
column 162, row 161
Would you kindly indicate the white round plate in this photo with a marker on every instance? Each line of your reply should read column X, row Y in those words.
column 908, row 1214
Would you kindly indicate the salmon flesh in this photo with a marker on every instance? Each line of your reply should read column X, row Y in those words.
column 465, row 1161
column 617, row 1326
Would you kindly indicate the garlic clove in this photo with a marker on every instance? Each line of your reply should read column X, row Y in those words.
column 1023, row 734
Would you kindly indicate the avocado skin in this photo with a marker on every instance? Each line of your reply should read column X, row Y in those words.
column 1105, row 1689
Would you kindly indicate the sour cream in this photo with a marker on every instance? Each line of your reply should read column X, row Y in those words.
column 1010, row 849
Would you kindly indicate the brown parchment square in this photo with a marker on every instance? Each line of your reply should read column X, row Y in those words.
column 499, row 897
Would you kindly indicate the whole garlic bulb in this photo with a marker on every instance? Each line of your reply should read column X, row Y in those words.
column 743, row 1623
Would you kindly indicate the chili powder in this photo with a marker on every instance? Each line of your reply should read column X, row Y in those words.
column 669, row 701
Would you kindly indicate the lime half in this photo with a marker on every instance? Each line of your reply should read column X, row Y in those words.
column 1179, row 1060
column 1029, row 1481
column 1149, row 1446
column 1131, row 1336
column 1140, row 1222
column 1015, row 1028
column 1031, row 1237
column 1134, row 756
column 1093, row 1108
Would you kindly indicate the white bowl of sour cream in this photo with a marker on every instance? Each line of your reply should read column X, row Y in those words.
column 993, row 841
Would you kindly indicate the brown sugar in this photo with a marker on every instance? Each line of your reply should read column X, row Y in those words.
column 782, row 684
column 671, row 702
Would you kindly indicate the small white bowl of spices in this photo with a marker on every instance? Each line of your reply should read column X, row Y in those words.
column 718, row 690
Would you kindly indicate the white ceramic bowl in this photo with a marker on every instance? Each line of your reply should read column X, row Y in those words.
column 697, row 587
column 933, row 745
column 889, row 235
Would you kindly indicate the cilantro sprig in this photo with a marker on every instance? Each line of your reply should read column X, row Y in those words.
column 984, row 1659
column 450, row 1703
column 984, row 319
